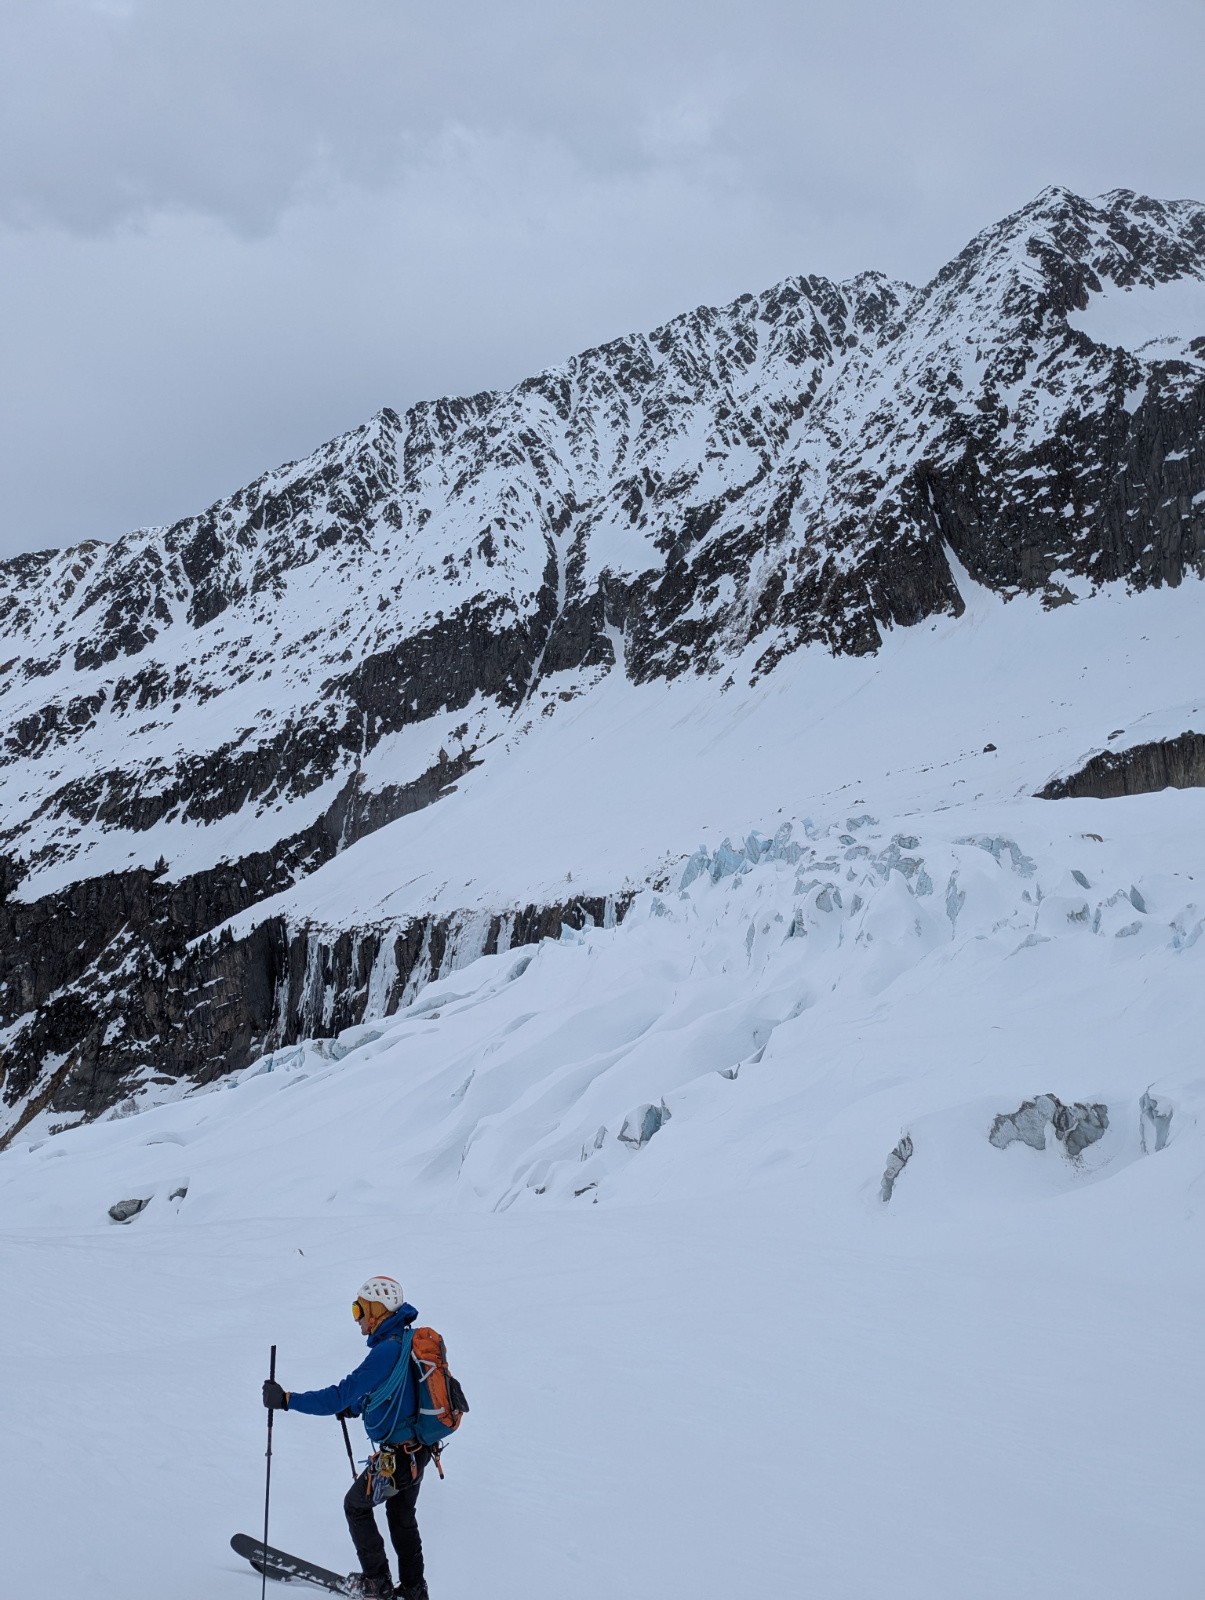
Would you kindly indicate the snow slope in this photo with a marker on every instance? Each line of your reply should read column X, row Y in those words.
column 635, row 1174
column 1160, row 319
column 619, row 784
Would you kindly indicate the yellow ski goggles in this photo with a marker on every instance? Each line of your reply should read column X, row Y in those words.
column 359, row 1310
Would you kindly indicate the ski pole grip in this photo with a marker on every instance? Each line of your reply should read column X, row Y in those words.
column 272, row 1365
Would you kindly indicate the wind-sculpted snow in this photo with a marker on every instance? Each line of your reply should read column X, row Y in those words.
column 198, row 718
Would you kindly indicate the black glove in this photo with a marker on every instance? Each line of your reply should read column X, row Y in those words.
column 274, row 1396
column 349, row 1412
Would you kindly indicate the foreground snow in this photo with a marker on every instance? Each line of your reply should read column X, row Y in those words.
column 715, row 1362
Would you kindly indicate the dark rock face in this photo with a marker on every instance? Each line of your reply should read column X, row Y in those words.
column 896, row 1162
column 796, row 468
column 49, row 945
column 1075, row 1126
column 201, row 1011
column 1141, row 769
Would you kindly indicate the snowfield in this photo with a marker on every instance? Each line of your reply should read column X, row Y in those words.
column 636, row 1175
column 1161, row 320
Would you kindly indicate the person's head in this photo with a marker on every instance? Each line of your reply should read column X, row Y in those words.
column 376, row 1299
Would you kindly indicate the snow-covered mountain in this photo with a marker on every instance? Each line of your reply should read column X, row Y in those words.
column 747, row 502
column 696, row 865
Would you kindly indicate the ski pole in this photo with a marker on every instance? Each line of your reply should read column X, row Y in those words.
column 268, row 1476
column 347, row 1442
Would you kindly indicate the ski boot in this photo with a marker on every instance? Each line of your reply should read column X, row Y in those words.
column 416, row 1591
column 360, row 1586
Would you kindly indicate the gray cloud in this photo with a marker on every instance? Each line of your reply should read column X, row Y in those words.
column 229, row 230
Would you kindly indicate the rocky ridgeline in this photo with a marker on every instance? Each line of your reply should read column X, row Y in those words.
column 790, row 469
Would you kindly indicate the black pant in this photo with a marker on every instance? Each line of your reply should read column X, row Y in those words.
column 403, row 1525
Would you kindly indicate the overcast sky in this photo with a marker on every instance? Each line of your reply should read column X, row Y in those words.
column 231, row 228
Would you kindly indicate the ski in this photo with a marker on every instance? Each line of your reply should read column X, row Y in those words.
column 284, row 1568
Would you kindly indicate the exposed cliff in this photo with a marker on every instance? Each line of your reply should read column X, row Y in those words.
column 1177, row 763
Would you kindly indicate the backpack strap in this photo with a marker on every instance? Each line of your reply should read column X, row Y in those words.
column 390, row 1391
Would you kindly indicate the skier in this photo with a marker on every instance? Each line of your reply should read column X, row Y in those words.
column 385, row 1398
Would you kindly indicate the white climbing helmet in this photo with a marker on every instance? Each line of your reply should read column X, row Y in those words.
column 381, row 1291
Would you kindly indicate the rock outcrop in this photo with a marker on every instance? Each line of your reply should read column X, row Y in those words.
column 899, row 1158
column 1177, row 763
column 153, row 1007
column 1075, row 1126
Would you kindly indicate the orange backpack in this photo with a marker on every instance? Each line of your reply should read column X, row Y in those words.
column 441, row 1401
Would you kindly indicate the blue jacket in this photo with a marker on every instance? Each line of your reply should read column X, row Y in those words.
column 357, row 1388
